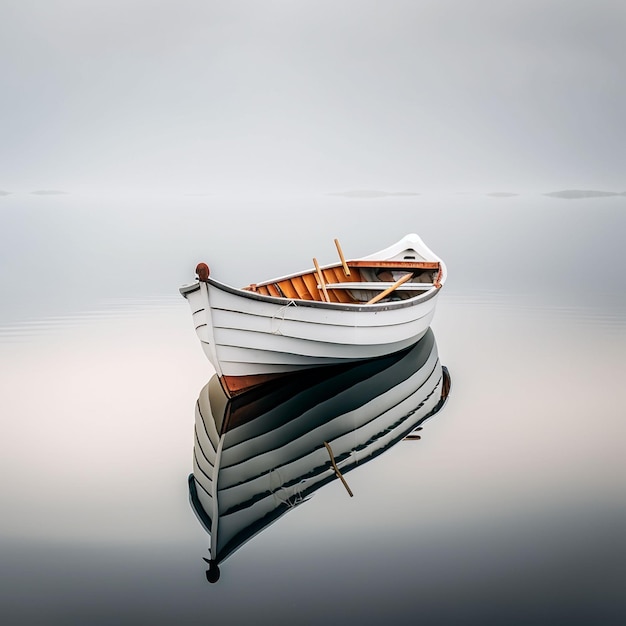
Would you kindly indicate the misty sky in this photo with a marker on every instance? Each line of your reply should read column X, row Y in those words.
column 203, row 96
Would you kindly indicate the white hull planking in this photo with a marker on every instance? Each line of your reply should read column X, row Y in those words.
column 243, row 336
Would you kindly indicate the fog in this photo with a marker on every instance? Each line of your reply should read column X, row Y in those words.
column 263, row 97
column 139, row 138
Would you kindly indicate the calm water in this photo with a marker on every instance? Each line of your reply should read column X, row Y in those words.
column 510, row 509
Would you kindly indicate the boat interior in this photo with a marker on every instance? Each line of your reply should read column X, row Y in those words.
column 356, row 282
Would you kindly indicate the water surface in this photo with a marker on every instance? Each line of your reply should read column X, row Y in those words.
column 509, row 509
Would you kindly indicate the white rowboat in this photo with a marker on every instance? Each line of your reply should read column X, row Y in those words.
column 339, row 313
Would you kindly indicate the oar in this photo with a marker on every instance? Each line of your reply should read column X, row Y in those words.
column 339, row 474
column 384, row 294
column 321, row 279
column 346, row 269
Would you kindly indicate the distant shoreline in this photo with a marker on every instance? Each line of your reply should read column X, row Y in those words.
column 576, row 194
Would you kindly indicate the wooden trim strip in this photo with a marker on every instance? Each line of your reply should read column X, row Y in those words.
column 409, row 265
column 438, row 278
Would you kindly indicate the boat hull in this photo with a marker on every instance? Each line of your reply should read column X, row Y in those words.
column 252, row 337
column 249, row 340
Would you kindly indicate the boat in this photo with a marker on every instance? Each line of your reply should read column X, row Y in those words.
column 261, row 454
column 338, row 313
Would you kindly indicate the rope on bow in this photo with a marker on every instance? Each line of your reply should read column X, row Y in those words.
column 280, row 317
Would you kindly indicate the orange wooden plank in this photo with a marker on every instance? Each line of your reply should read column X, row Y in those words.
column 336, row 275
column 301, row 288
column 288, row 289
column 235, row 385
column 355, row 276
column 310, row 280
column 329, row 276
column 343, row 296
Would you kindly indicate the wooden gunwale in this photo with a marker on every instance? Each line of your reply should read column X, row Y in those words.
column 392, row 265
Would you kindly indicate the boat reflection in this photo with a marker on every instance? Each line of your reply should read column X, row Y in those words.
column 260, row 454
